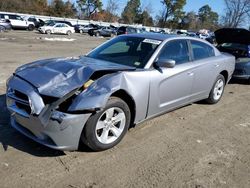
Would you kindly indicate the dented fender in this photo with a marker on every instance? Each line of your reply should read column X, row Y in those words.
column 97, row 94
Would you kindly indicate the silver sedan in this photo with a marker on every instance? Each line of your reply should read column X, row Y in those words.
column 96, row 98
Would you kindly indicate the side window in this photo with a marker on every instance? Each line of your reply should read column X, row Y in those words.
column 201, row 50
column 13, row 17
column 19, row 18
column 176, row 50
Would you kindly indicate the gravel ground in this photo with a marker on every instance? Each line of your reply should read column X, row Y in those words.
column 196, row 146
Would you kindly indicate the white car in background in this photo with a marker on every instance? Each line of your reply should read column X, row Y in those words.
column 203, row 36
column 57, row 28
column 17, row 22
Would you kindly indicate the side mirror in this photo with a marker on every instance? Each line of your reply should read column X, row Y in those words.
column 167, row 63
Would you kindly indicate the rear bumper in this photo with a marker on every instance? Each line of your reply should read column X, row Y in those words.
column 242, row 71
column 62, row 136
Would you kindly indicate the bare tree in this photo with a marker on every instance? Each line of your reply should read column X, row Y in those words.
column 236, row 12
column 111, row 9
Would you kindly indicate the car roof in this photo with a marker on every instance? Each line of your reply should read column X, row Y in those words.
column 156, row 36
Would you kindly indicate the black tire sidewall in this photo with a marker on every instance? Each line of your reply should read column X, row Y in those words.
column 89, row 136
column 31, row 27
column 211, row 99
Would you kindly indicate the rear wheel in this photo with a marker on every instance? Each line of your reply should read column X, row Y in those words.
column 31, row 27
column 106, row 128
column 97, row 34
column 81, row 31
column 217, row 90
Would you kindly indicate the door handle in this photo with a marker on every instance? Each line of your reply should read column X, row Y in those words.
column 190, row 73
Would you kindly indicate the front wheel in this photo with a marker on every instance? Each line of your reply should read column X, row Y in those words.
column 217, row 90
column 106, row 128
column 69, row 33
column 48, row 32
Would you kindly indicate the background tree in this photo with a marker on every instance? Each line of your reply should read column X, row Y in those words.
column 172, row 13
column 237, row 12
column 62, row 9
column 208, row 19
column 131, row 11
column 111, row 9
column 24, row 6
column 145, row 19
column 190, row 21
column 89, row 7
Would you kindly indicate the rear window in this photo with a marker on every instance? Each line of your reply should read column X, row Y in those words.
column 201, row 50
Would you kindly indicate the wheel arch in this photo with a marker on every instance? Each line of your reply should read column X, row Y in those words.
column 122, row 94
column 225, row 74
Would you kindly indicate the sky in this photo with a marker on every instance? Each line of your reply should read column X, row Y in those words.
column 192, row 5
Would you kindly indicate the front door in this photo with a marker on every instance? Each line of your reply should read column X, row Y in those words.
column 171, row 87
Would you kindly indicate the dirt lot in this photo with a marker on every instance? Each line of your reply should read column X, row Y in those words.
column 196, row 146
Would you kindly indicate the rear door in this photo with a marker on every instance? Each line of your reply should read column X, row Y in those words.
column 205, row 69
column 171, row 87
column 58, row 28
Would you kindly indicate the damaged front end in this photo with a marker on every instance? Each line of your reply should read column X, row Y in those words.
column 42, row 122
column 44, row 107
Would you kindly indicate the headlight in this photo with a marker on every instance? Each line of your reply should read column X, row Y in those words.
column 87, row 84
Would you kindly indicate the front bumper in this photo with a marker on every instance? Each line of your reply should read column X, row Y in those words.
column 62, row 136
column 57, row 130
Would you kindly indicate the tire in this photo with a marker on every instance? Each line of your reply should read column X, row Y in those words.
column 48, row 32
column 2, row 29
column 217, row 90
column 69, row 33
column 31, row 27
column 106, row 128
column 97, row 34
column 81, row 31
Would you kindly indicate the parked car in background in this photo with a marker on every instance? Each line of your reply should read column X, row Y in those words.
column 192, row 34
column 86, row 28
column 95, row 98
column 236, row 41
column 37, row 22
column 17, row 22
column 78, row 27
column 49, row 22
column 103, row 31
column 203, row 36
column 58, row 28
column 126, row 30
column 4, row 25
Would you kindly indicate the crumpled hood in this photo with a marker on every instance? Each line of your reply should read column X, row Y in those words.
column 57, row 77
column 232, row 35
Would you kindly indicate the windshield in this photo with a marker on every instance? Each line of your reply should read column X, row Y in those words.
column 126, row 50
